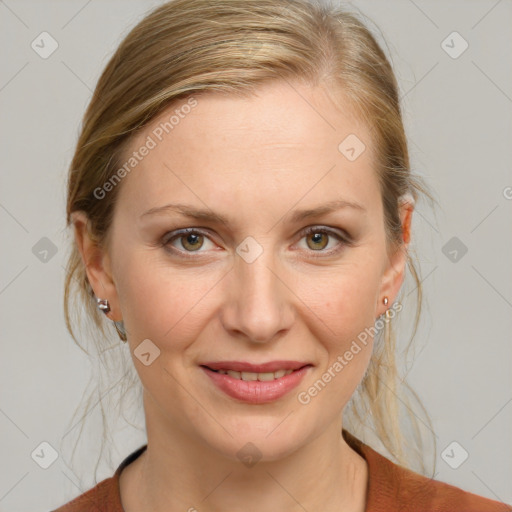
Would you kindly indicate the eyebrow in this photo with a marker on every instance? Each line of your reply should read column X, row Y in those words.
column 297, row 215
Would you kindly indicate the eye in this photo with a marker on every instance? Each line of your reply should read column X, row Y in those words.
column 189, row 240
column 186, row 240
column 318, row 238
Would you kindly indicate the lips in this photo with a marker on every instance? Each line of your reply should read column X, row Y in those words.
column 243, row 366
column 256, row 387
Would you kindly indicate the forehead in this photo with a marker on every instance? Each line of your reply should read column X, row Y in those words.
column 286, row 141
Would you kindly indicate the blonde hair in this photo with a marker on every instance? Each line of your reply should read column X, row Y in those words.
column 190, row 47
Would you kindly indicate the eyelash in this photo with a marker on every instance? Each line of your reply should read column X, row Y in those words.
column 345, row 240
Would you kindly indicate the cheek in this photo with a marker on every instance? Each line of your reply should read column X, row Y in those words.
column 172, row 305
column 345, row 301
column 347, row 344
column 346, row 305
column 161, row 303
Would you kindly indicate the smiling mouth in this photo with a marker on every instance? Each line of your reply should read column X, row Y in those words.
column 256, row 387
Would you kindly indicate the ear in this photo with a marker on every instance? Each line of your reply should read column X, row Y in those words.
column 97, row 264
column 394, row 273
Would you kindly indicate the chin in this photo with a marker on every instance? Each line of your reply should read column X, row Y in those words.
column 250, row 443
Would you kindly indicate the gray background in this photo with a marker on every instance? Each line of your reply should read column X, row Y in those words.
column 458, row 117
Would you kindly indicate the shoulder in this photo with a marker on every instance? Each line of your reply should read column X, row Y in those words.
column 101, row 498
column 105, row 496
column 394, row 487
column 436, row 496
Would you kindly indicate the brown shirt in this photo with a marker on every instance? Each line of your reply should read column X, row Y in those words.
column 391, row 488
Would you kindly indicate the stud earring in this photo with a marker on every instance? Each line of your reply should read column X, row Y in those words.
column 385, row 300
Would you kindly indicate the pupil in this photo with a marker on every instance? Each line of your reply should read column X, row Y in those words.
column 316, row 239
column 191, row 241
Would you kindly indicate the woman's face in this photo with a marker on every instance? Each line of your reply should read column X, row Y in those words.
column 254, row 287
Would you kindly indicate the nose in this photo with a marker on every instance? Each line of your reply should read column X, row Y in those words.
column 259, row 305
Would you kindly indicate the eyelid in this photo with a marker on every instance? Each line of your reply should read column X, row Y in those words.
column 340, row 234
column 315, row 228
column 179, row 233
column 344, row 239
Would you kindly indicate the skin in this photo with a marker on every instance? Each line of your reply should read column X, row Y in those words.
column 254, row 160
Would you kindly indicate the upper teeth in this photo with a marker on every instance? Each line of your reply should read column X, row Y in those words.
column 256, row 376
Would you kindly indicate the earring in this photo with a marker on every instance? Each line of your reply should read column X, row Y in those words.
column 385, row 300
column 121, row 331
column 104, row 306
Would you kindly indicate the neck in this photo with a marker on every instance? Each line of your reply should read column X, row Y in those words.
column 177, row 472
